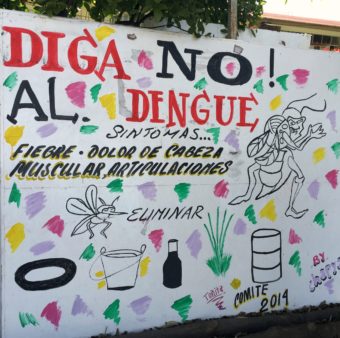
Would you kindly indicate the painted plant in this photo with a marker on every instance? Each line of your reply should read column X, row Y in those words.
column 219, row 263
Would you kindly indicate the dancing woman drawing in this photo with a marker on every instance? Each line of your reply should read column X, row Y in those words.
column 273, row 153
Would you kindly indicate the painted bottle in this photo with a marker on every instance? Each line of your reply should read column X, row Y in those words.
column 172, row 267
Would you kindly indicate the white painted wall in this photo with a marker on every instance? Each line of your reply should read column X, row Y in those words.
column 280, row 249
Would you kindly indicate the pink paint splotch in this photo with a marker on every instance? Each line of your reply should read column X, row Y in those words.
column 313, row 189
column 76, row 93
column 230, row 68
column 260, row 70
column 194, row 243
column 55, row 225
column 80, row 307
column 148, row 190
column 144, row 60
column 301, row 76
column 294, row 238
column 332, row 178
column 156, row 237
column 52, row 312
column 221, row 189
column 35, row 203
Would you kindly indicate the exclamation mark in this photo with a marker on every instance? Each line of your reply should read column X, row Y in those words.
column 271, row 67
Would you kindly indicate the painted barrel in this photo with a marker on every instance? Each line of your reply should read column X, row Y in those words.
column 266, row 255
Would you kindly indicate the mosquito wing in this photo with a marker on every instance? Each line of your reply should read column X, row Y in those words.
column 82, row 226
column 77, row 206
column 257, row 144
column 91, row 198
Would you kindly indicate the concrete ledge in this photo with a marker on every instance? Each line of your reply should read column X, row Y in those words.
column 251, row 324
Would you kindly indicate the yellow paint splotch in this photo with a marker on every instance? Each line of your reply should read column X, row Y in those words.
column 13, row 134
column 99, row 274
column 144, row 266
column 319, row 155
column 268, row 211
column 108, row 101
column 103, row 32
column 236, row 283
column 15, row 236
column 276, row 102
column 101, row 284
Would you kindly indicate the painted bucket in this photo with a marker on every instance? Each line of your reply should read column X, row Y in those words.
column 266, row 255
column 121, row 267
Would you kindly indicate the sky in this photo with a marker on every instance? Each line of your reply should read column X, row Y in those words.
column 319, row 9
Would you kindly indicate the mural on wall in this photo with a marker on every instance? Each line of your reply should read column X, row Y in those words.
column 147, row 178
column 94, row 215
column 275, row 158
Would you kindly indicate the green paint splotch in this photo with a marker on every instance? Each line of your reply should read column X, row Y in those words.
column 112, row 312
column 95, row 91
column 336, row 149
column 250, row 214
column 11, row 81
column 88, row 129
column 182, row 306
column 215, row 133
column 27, row 319
column 319, row 219
column 15, row 195
column 88, row 253
column 282, row 80
column 295, row 261
column 116, row 185
column 201, row 84
column 333, row 85
column 258, row 86
column 182, row 190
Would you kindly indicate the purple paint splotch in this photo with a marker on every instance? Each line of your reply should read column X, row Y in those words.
column 80, row 307
column 194, row 243
column 329, row 286
column 332, row 119
column 42, row 247
column 240, row 227
column 313, row 189
column 47, row 130
column 148, row 190
column 232, row 140
column 144, row 82
column 35, row 203
column 141, row 305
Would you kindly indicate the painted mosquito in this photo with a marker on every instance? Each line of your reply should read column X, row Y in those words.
column 95, row 215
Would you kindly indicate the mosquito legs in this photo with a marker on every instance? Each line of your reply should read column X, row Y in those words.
column 108, row 224
column 89, row 229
